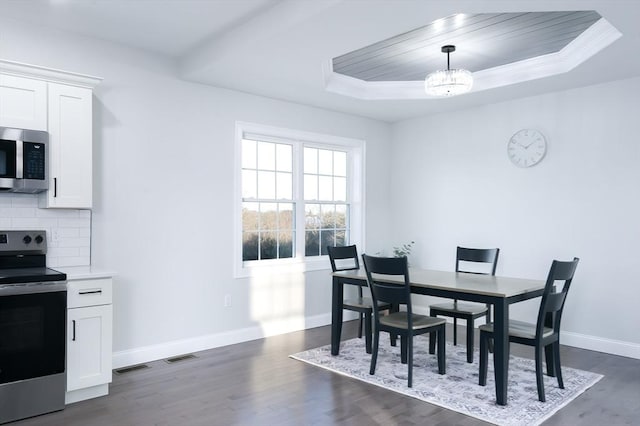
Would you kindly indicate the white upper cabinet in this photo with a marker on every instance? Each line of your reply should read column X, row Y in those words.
column 59, row 102
column 70, row 147
column 23, row 102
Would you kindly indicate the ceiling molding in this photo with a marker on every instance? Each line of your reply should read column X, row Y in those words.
column 48, row 74
column 596, row 38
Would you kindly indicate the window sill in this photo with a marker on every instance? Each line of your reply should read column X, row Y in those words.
column 281, row 266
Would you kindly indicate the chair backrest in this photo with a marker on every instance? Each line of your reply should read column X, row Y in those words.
column 346, row 257
column 553, row 301
column 377, row 268
column 489, row 256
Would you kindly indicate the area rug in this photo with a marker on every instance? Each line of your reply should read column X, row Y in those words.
column 457, row 390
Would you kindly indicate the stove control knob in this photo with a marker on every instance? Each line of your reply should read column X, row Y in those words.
column 26, row 239
column 39, row 239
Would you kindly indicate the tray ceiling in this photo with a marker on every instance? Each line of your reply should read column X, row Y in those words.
column 482, row 40
column 500, row 49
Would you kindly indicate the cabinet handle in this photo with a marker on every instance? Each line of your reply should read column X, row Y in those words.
column 55, row 187
column 90, row 292
column 74, row 330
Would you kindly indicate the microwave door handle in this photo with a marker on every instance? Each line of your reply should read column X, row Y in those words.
column 19, row 159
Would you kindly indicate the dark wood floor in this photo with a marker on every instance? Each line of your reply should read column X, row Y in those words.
column 255, row 383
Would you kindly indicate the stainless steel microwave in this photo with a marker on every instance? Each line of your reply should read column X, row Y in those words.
column 23, row 160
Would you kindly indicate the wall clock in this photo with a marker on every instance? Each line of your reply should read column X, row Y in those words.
column 526, row 147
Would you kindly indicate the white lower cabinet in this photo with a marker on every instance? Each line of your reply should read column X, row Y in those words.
column 89, row 339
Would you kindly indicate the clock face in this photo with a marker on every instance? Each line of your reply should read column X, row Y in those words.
column 526, row 147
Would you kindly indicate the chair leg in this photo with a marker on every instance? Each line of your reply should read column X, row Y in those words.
column 360, row 315
column 539, row 373
column 455, row 331
column 410, row 358
column 484, row 355
column 470, row 331
column 374, row 352
column 442, row 358
column 432, row 338
column 403, row 349
column 367, row 332
column 432, row 342
column 394, row 337
column 556, row 362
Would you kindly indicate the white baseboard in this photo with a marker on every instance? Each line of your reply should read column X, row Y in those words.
column 600, row 344
column 582, row 341
column 200, row 343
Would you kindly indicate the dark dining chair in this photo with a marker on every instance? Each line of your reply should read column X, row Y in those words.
column 346, row 259
column 467, row 311
column 405, row 324
column 537, row 335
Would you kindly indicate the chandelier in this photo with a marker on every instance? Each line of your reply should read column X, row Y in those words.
column 448, row 82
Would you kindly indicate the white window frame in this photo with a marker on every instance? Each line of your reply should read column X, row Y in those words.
column 355, row 149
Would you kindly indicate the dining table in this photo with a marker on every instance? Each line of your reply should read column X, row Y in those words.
column 498, row 291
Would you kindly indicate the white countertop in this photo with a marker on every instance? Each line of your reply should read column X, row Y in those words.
column 84, row 272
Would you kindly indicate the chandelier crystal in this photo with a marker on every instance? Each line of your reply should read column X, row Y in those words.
column 449, row 82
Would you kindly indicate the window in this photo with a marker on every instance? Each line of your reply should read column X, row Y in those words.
column 298, row 192
column 325, row 198
column 268, row 223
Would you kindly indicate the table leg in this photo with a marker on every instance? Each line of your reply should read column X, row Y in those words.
column 501, row 349
column 336, row 315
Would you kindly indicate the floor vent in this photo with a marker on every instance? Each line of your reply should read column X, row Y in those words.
column 131, row 369
column 180, row 358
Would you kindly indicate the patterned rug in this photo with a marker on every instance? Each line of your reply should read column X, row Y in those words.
column 458, row 390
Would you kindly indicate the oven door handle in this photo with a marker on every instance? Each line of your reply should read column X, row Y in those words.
column 73, row 338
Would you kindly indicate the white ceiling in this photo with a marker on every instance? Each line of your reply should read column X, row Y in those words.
column 280, row 48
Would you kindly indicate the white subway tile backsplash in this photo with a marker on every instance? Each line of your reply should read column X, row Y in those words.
column 63, row 251
column 24, row 223
column 73, row 222
column 69, row 232
column 71, row 228
column 23, row 212
column 71, row 261
column 74, row 242
column 47, row 223
column 24, row 200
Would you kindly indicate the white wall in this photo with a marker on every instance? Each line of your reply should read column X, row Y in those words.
column 163, row 198
column 454, row 185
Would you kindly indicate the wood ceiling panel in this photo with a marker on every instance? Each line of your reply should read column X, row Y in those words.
column 483, row 41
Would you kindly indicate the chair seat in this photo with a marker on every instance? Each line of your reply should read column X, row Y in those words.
column 521, row 329
column 363, row 303
column 399, row 320
column 463, row 308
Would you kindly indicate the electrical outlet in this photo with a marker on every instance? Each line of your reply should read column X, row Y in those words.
column 227, row 300
column 55, row 235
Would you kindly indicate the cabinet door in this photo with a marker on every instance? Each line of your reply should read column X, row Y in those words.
column 70, row 147
column 23, row 103
column 89, row 357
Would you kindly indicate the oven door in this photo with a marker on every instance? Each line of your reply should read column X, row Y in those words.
column 32, row 333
